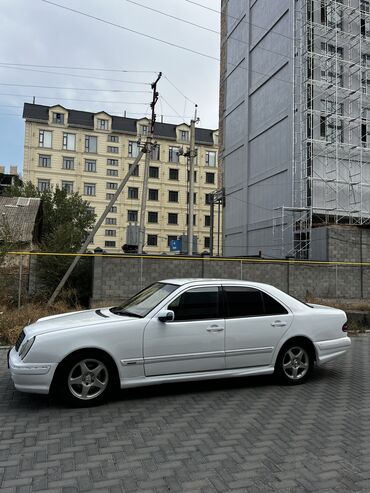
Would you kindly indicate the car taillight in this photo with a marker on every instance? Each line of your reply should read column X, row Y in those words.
column 345, row 327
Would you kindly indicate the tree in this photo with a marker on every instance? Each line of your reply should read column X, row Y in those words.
column 66, row 221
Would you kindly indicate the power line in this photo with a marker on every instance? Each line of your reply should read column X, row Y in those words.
column 75, row 75
column 178, row 90
column 71, row 99
column 71, row 88
column 98, row 69
column 172, row 108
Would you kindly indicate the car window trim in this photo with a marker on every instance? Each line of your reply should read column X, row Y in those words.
column 221, row 308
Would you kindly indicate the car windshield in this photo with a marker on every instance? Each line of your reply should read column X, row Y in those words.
column 144, row 301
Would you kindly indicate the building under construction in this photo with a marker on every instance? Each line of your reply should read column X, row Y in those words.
column 295, row 123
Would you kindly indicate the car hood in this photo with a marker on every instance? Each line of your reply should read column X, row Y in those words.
column 100, row 316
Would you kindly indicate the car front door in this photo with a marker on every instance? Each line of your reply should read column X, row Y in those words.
column 194, row 341
column 255, row 322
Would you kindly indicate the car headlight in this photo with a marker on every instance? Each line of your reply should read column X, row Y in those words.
column 26, row 346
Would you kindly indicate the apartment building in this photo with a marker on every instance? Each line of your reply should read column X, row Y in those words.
column 90, row 153
column 295, row 123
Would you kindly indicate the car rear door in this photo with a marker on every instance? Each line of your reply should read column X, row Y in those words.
column 194, row 341
column 255, row 323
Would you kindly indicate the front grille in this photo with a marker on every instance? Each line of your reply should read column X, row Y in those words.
column 20, row 339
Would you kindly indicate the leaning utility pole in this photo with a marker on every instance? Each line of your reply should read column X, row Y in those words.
column 192, row 154
column 149, row 147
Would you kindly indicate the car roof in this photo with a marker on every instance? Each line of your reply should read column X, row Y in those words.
column 199, row 280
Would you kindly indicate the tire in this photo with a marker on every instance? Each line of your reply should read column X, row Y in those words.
column 84, row 379
column 295, row 363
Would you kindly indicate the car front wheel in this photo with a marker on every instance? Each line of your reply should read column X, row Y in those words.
column 84, row 379
column 294, row 364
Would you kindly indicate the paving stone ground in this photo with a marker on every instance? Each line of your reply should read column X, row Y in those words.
column 241, row 435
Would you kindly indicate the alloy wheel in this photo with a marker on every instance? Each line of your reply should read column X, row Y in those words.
column 88, row 379
column 296, row 363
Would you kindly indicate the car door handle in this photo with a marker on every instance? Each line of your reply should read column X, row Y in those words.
column 278, row 323
column 215, row 328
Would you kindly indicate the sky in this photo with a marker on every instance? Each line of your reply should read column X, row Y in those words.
column 38, row 39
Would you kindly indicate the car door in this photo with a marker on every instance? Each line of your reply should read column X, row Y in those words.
column 194, row 341
column 255, row 322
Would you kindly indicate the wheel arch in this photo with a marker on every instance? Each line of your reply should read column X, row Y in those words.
column 297, row 339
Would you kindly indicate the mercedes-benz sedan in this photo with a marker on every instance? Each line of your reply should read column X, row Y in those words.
column 177, row 330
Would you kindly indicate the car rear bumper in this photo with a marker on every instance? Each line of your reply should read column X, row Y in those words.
column 30, row 377
column 328, row 350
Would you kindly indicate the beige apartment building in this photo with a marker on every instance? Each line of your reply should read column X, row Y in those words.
column 90, row 153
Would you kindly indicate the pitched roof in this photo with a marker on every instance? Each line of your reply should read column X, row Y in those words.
column 18, row 215
column 85, row 119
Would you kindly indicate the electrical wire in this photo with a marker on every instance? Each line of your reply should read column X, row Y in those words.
column 98, row 69
column 72, row 88
column 177, row 89
column 71, row 99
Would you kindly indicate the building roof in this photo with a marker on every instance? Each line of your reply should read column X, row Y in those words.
column 18, row 214
column 85, row 119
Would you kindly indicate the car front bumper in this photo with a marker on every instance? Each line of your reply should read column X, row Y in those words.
column 30, row 377
column 328, row 350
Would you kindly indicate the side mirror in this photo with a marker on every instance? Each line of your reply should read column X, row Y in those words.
column 166, row 316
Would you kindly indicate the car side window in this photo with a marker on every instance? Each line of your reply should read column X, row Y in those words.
column 197, row 304
column 273, row 307
column 243, row 302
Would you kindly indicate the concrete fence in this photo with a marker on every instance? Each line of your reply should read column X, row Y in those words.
column 118, row 278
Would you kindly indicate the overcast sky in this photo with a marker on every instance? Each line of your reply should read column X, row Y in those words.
column 37, row 33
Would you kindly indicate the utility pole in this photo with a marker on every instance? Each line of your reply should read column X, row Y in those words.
column 192, row 154
column 149, row 146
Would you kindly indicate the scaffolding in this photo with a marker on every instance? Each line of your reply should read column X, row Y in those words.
column 331, row 156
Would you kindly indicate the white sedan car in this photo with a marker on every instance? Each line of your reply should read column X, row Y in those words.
column 177, row 330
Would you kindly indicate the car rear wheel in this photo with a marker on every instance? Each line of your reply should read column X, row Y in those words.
column 84, row 379
column 294, row 364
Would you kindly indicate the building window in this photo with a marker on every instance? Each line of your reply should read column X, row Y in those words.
column 195, row 176
column 113, row 209
column 332, row 14
column 89, row 189
column 91, row 143
column 43, row 184
column 207, row 221
column 331, row 66
column 331, row 121
column 69, row 141
column 172, row 218
column 211, row 158
column 136, row 170
column 173, row 154
column 58, row 118
column 110, row 232
column 91, row 209
column 109, row 196
column 67, row 186
column 173, row 174
column 113, row 138
column 152, row 240
column 110, row 244
column 152, row 194
column 110, row 185
column 90, row 165
column 155, row 153
column 143, row 129
column 210, row 177
column 194, row 197
column 365, row 128
column 365, row 20
column 44, row 161
column 133, row 149
column 208, row 198
column 133, row 193
column 68, row 163
column 132, row 216
column 111, row 220
column 45, row 138
column 103, row 124
column 112, row 172
column 112, row 162
column 365, row 74
column 152, row 217
column 207, row 242
column 173, row 196
column 112, row 149
column 153, row 172
column 171, row 238
column 184, row 135
column 194, row 219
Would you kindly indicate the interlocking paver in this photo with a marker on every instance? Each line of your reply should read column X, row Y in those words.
column 247, row 435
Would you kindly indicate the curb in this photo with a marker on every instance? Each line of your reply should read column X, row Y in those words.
column 4, row 347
